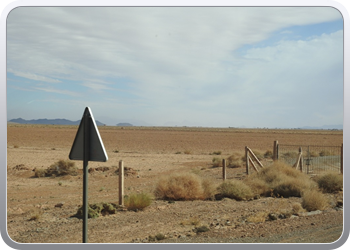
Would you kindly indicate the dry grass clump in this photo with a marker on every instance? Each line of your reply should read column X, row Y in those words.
column 193, row 221
column 217, row 162
column 268, row 154
column 59, row 168
column 330, row 182
column 290, row 155
column 297, row 208
column 237, row 190
column 184, row 187
column 235, row 161
column 283, row 180
column 35, row 214
column 258, row 217
column 137, row 202
column 325, row 153
column 314, row 200
column 39, row 172
column 94, row 210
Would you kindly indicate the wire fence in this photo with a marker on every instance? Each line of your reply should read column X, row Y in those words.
column 316, row 159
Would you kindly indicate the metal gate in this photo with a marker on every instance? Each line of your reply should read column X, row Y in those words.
column 316, row 159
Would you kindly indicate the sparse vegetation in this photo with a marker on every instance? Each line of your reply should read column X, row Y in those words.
column 193, row 221
column 187, row 152
column 290, row 155
column 237, row 190
column 183, row 187
column 216, row 153
column 137, row 202
column 297, row 208
column 217, row 162
column 35, row 214
column 160, row 236
column 59, row 168
column 201, row 229
column 258, row 217
column 282, row 179
column 330, row 182
column 325, row 153
column 39, row 172
column 268, row 154
column 234, row 161
column 95, row 210
column 314, row 200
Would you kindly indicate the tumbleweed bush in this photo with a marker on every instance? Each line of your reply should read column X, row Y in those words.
column 184, row 187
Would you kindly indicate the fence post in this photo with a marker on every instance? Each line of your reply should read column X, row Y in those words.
column 341, row 159
column 121, row 183
column 224, row 169
column 275, row 155
column 301, row 159
column 246, row 159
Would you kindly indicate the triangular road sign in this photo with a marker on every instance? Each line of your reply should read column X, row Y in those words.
column 88, row 139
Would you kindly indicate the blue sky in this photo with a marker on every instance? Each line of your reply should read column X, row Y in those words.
column 184, row 66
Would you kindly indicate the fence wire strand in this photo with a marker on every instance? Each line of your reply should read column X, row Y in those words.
column 316, row 159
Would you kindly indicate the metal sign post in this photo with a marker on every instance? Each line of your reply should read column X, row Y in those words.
column 87, row 146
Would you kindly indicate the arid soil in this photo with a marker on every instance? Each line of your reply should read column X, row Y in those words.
column 41, row 210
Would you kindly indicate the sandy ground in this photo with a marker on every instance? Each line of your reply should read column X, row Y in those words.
column 151, row 153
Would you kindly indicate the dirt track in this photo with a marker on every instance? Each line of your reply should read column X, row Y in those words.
column 151, row 152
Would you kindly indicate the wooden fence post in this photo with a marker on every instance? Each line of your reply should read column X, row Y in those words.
column 275, row 155
column 246, row 159
column 255, row 158
column 121, row 183
column 224, row 169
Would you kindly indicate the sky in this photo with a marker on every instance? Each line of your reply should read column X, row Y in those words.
column 275, row 67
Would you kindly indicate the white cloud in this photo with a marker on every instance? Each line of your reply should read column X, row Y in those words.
column 33, row 76
column 172, row 57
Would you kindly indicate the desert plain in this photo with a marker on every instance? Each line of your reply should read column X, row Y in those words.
column 152, row 153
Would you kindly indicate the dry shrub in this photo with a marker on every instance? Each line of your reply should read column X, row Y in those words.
column 258, row 217
column 194, row 221
column 282, row 179
column 137, row 202
column 237, row 190
column 290, row 155
column 314, row 154
column 235, row 161
column 325, row 153
column 258, row 154
column 217, row 162
column 209, row 189
column 314, row 200
column 59, row 168
column 297, row 208
column 94, row 210
column 62, row 167
column 268, row 154
column 35, row 214
column 258, row 186
column 330, row 182
column 183, row 187
column 39, row 172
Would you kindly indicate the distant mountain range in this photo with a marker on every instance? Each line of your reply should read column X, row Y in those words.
column 124, row 124
column 50, row 122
